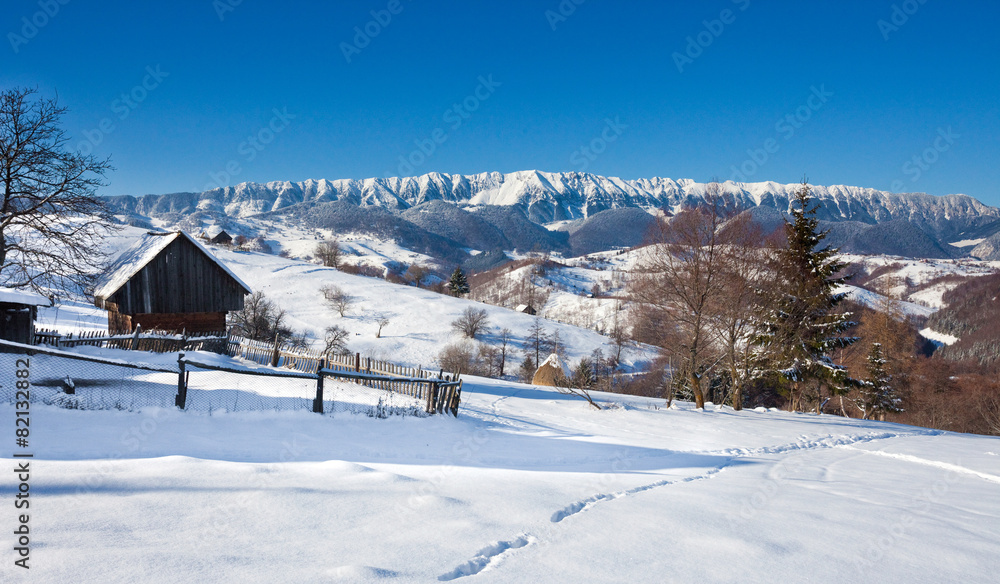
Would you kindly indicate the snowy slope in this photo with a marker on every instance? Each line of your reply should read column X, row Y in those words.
column 527, row 485
column 419, row 320
column 931, row 278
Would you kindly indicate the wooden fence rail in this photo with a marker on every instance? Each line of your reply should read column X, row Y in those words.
column 139, row 341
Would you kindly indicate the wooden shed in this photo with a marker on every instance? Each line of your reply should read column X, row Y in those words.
column 217, row 236
column 18, row 311
column 169, row 281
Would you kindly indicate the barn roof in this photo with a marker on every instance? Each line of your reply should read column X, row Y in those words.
column 15, row 296
column 135, row 258
column 212, row 231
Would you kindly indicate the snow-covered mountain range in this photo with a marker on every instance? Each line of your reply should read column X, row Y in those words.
column 550, row 197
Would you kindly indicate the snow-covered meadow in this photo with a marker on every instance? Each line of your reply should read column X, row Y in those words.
column 527, row 485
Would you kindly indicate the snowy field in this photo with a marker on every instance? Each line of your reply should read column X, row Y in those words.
column 527, row 485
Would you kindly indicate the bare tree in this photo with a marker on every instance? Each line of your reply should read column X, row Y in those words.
column 472, row 322
column 461, row 358
column 568, row 387
column 51, row 221
column 337, row 299
column 618, row 333
column 738, row 313
column 680, row 275
column 260, row 319
column 383, row 321
column 329, row 253
column 988, row 404
column 506, row 337
column 418, row 275
column 335, row 339
column 537, row 341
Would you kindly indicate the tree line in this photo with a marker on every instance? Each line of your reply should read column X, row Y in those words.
column 736, row 311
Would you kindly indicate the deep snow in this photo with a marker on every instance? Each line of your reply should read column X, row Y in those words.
column 527, row 485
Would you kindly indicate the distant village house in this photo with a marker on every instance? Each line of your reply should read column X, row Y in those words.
column 217, row 236
column 170, row 282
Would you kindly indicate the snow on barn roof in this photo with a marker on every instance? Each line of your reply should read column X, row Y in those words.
column 14, row 296
column 141, row 253
column 212, row 231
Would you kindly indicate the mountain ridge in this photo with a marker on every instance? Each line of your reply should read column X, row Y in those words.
column 572, row 196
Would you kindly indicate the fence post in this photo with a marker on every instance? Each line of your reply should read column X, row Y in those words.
column 276, row 355
column 135, row 338
column 456, row 399
column 432, row 391
column 318, row 402
column 357, row 361
column 181, row 400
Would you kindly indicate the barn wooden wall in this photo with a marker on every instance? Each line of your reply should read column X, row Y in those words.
column 191, row 322
column 179, row 280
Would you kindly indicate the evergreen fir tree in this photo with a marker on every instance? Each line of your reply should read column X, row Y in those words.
column 458, row 284
column 527, row 368
column 804, row 328
column 878, row 396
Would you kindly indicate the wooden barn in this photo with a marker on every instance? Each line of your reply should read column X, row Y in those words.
column 217, row 236
column 18, row 310
column 169, row 282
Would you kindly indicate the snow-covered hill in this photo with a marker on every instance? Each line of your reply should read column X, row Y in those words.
column 527, row 485
column 419, row 320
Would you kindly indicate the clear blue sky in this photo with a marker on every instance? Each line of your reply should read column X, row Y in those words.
column 925, row 86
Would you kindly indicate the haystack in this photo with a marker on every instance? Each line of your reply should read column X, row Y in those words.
column 550, row 371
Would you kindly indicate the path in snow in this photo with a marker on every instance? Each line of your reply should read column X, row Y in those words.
column 935, row 463
column 489, row 557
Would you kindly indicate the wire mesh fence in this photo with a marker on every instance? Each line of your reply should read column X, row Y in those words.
column 78, row 382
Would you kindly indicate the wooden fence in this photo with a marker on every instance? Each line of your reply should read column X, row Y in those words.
column 440, row 392
column 154, row 342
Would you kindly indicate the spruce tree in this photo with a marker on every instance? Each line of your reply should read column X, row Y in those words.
column 805, row 328
column 878, row 396
column 458, row 284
